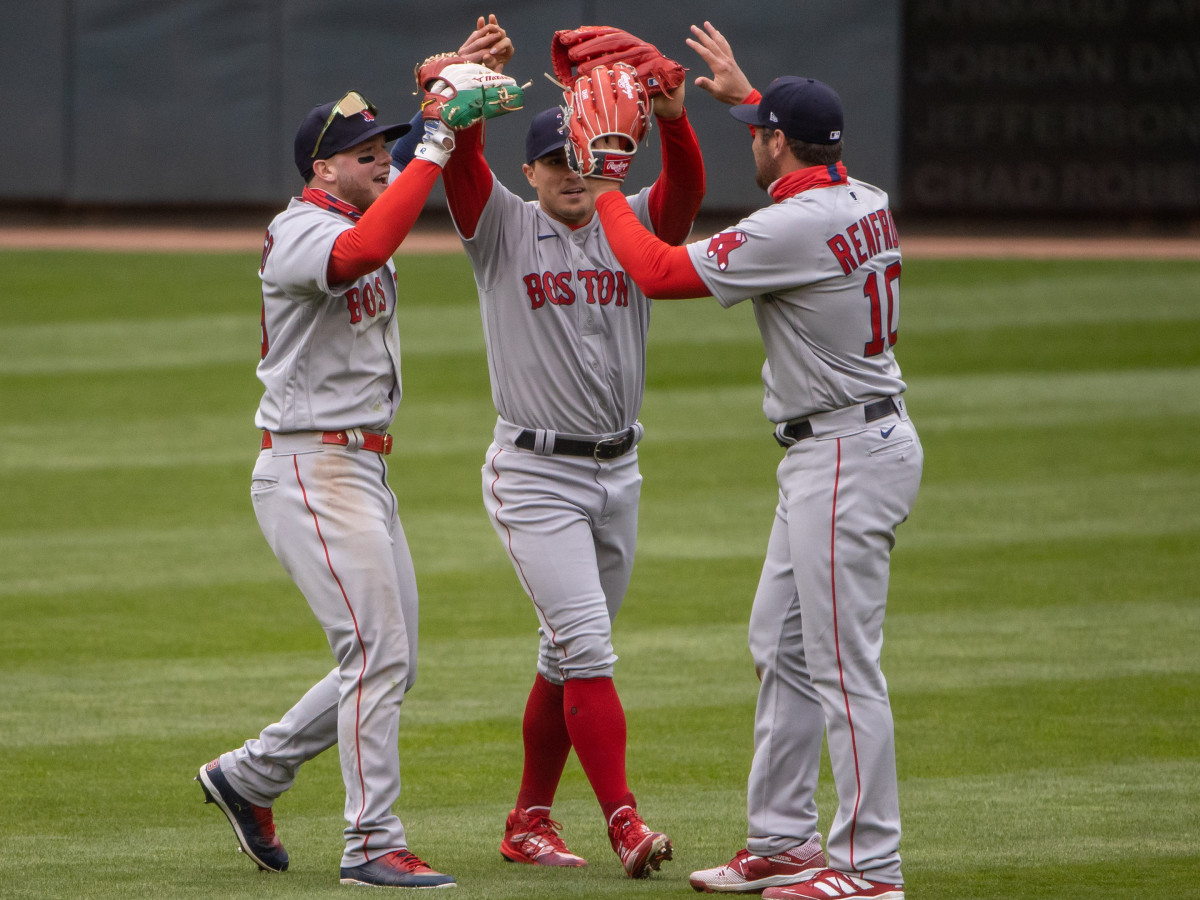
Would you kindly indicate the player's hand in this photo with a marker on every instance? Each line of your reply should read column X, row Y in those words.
column 728, row 83
column 488, row 44
column 669, row 106
column 598, row 186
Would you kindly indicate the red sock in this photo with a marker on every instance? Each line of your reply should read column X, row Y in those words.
column 547, row 744
column 596, row 723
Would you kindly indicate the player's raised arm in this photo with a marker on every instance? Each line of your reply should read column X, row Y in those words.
column 468, row 180
column 341, row 152
column 606, row 125
column 488, row 45
column 728, row 83
column 676, row 194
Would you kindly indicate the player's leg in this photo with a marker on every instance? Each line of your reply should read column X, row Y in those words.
column 263, row 768
column 615, row 526
column 338, row 540
column 530, row 834
column 782, row 843
column 511, row 485
column 542, row 509
column 614, row 533
column 244, row 783
column 595, row 715
column 849, row 495
column 547, row 744
column 788, row 724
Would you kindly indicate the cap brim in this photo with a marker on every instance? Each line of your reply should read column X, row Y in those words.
column 748, row 113
column 547, row 150
column 389, row 132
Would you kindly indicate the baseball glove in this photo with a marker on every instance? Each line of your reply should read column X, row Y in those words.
column 461, row 93
column 606, row 103
column 577, row 51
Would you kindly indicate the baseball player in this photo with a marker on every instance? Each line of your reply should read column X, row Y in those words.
column 821, row 266
column 565, row 331
column 331, row 372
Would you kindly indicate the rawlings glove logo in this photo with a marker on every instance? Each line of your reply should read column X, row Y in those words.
column 625, row 85
column 615, row 167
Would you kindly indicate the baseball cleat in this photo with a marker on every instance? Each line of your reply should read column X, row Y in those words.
column 253, row 825
column 640, row 849
column 531, row 836
column 747, row 873
column 399, row 869
column 829, row 884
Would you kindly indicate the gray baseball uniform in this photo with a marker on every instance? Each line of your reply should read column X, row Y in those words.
column 822, row 269
column 566, row 343
column 331, row 371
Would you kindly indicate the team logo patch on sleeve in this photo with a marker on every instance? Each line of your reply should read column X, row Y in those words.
column 721, row 245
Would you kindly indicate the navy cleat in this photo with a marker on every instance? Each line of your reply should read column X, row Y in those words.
column 399, row 869
column 253, row 825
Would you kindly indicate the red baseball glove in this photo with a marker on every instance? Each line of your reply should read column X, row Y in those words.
column 579, row 50
column 606, row 104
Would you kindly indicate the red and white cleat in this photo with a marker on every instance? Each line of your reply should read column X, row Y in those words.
column 830, row 884
column 640, row 849
column 531, row 836
column 747, row 873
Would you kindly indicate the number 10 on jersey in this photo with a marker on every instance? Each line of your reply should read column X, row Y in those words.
column 889, row 298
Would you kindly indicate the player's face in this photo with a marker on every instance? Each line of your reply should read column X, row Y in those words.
column 361, row 172
column 561, row 193
column 766, row 156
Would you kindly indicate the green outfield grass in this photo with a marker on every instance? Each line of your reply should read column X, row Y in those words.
column 1043, row 634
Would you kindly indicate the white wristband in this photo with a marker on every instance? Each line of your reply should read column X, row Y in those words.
column 437, row 144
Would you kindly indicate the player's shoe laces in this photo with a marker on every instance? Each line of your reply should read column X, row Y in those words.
column 531, row 836
column 253, row 825
column 396, row 869
column 747, row 873
column 829, row 884
column 639, row 848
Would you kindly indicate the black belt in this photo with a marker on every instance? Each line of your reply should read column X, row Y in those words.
column 802, row 428
column 605, row 448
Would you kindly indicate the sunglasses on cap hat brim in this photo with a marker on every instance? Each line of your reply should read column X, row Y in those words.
column 350, row 105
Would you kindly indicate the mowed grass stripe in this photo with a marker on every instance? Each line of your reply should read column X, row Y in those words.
column 928, row 655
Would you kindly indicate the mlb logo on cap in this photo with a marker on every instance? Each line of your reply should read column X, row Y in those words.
column 802, row 108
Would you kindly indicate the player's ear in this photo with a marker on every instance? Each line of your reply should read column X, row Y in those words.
column 323, row 170
column 528, row 170
column 778, row 143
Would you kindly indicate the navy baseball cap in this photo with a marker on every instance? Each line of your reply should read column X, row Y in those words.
column 324, row 133
column 546, row 134
column 802, row 108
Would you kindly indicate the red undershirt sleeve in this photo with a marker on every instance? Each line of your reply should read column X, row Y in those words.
column 468, row 180
column 675, row 196
column 662, row 272
column 384, row 226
